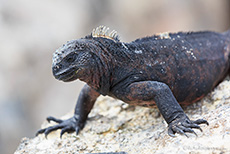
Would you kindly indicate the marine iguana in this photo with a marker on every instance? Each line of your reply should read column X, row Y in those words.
column 162, row 70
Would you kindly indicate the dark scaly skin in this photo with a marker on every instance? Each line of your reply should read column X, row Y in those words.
column 160, row 70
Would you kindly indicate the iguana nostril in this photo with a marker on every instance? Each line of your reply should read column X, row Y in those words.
column 56, row 68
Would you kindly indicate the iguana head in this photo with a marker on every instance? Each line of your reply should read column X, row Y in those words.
column 83, row 58
column 72, row 60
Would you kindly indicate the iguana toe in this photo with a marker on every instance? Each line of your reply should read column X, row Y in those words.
column 183, row 125
column 69, row 125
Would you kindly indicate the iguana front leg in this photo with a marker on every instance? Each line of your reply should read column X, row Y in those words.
column 148, row 93
column 83, row 107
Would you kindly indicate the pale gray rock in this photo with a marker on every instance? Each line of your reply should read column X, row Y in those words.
column 114, row 126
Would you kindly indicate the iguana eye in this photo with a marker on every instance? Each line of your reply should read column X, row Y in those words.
column 70, row 59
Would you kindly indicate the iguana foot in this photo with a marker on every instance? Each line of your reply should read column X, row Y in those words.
column 69, row 125
column 184, row 124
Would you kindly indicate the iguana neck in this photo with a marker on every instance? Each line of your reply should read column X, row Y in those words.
column 99, row 73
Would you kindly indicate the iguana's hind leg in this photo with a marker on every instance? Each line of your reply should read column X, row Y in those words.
column 153, row 92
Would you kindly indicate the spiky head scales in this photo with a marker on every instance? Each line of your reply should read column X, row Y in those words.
column 70, row 46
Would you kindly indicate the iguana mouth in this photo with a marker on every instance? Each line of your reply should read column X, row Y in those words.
column 67, row 75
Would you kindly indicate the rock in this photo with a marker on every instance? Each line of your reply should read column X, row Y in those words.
column 114, row 126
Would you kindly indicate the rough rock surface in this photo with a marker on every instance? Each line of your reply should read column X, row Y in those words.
column 116, row 126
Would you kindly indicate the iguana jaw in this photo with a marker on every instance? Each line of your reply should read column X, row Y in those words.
column 67, row 75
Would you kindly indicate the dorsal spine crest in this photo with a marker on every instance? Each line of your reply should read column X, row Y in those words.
column 103, row 31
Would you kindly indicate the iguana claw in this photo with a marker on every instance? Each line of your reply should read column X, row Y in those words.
column 69, row 125
column 184, row 124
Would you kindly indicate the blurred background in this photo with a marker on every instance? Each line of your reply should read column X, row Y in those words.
column 30, row 31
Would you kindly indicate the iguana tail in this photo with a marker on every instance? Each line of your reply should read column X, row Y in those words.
column 227, row 34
